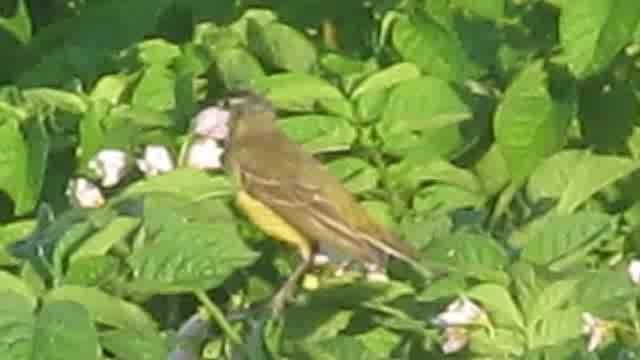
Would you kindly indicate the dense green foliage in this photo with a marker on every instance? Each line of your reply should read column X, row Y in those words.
column 500, row 137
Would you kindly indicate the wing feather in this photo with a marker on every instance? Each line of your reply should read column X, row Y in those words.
column 315, row 202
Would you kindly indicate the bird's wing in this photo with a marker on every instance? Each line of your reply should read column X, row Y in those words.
column 313, row 201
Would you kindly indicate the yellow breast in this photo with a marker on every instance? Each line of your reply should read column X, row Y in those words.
column 272, row 224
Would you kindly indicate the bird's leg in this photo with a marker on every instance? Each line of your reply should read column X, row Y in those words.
column 286, row 291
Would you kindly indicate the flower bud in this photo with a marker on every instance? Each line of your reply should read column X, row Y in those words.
column 212, row 122
column 84, row 193
column 455, row 339
column 460, row 313
column 110, row 165
column 597, row 330
column 205, row 154
column 156, row 160
column 634, row 271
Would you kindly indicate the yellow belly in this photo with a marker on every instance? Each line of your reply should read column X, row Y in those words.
column 272, row 224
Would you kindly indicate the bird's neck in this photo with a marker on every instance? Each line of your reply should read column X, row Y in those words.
column 254, row 128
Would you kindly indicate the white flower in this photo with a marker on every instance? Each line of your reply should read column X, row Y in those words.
column 460, row 313
column 110, row 165
column 212, row 122
column 84, row 193
column 456, row 338
column 205, row 154
column 634, row 271
column 156, row 160
column 597, row 329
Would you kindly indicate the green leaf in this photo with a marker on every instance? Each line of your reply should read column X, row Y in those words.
column 343, row 65
column 76, row 46
column 157, row 52
column 356, row 174
column 16, row 326
column 528, row 284
column 20, row 24
column 11, row 233
column 370, row 105
column 155, row 89
column 380, row 211
column 497, row 301
column 23, row 160
column 91, row 131
column 560, row 240
column 103, row 240
column 493, row 10
column 110, row 88
column 407, row 110
column 346, row 294
column 384, row 79
column 447, row 287
column 573, row 176
column 201, row 186
column 605, row 293
column 237, row 68
column 380, row 341
column 600, row 100
column 413, row 171
column 501, row 343
column 12, row 283
column 304, row 324
column 593, row 32
column 473, row 255
column 189, row 257
column 551, row 298
column 443, row 198
column 530, row 124
column 281, row 46
column 131, row 344
column 161, row 209
column 297, row 91
column 48, row 233
column 319, row 133
column 435, row 49
column 62, row 326
column 338, row 348
column 137, row 118
column 104, row 308
column 492, row 171
column 257, row 16
column 93, row 271
column 57, row 99
column 557, row 327
column 443, row 142
column 63, row 246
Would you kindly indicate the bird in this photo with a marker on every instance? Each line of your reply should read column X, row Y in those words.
column 292, row 197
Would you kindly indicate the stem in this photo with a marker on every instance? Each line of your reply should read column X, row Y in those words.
column 634, row 319
column 182, row 155
column 397, row 204
column 215, row 312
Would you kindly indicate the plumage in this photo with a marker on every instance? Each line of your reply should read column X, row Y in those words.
column 294, row 198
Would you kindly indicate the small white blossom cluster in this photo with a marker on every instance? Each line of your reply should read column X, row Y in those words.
column 210, row 126
column 456, row 320
column 598, row 330
column 111, row 166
